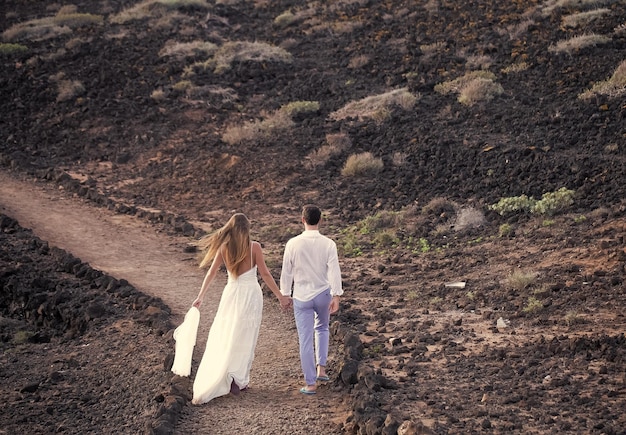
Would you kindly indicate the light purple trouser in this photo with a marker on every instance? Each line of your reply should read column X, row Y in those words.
column 313, row 315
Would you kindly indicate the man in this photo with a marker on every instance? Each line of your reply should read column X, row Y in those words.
column 311, row 266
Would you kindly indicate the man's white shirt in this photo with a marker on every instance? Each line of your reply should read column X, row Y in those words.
column 311, row 265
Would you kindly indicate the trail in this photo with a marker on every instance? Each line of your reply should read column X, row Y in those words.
column 155, row 263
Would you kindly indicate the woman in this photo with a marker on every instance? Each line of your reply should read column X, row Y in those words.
column 229, row 352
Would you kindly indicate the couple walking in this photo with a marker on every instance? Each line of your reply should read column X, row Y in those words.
column 310, row 281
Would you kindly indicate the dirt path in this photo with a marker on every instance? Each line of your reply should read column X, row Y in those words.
column 156, row 264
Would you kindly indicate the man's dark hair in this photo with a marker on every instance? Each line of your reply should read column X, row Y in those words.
column 311, row 214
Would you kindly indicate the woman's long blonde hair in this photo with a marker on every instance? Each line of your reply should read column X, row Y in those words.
column 234, row 238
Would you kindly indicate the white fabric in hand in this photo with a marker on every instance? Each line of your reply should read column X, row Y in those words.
column 185, row 336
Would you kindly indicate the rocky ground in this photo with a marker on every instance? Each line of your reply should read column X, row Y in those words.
column 456, row 318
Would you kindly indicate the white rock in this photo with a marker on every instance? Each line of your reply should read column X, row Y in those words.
column 503, row 323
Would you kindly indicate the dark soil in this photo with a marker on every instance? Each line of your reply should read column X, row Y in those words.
column 425, row 352
column 73, row 343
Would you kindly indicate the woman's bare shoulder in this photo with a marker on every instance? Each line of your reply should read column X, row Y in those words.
column 256, row 246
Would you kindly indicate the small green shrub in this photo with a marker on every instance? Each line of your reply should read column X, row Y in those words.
column 533, row 305
column 373, row 350
column 285, row 19
column 571, row 318
column 182, row 85
column 349, row 245
column 552, row 202
column 505, row 230
column 549, row 204
column 9, row 49
column 380, row 220
column 436, row 300
column 362, row 164
column 386, row 239
column 21, row 337
column 412, row 295
column 419, row 246
column 512, row 204
column 74, row 20
column 298, row 107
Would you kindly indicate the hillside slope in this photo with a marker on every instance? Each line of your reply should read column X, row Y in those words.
column 183, row 111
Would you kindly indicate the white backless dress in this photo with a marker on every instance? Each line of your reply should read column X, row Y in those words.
column 232, row 338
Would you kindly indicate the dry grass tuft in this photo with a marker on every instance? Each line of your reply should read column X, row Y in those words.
column 435, row 47
column 432, row 6
column 469, row 217
column 289, row 18
column 552, row 5
column 578, row 42
column 516, row 30
column 472, row 88
column 248, row 51
column 439, row 206
column 359, row 61
column 258, row 129
column 50, row 27
column 582, row 18
column 69, row 89
column 519, row 280
column 182, row 50
column 613, row 87
column 335, row 145
column 399, row 158
column 362, row 164
column 148, row 8
column 479, row 90
column 455, row 86
column 270, row 124
column 376, row 107
column 515, row 68
column 158, row 95
column 479, row 61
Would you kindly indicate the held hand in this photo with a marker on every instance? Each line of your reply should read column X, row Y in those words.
column 285, row 301
column 197, row 303
column 334, row 305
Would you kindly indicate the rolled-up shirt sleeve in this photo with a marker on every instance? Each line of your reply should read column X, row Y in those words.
column 334, row 272
column 286, row 274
